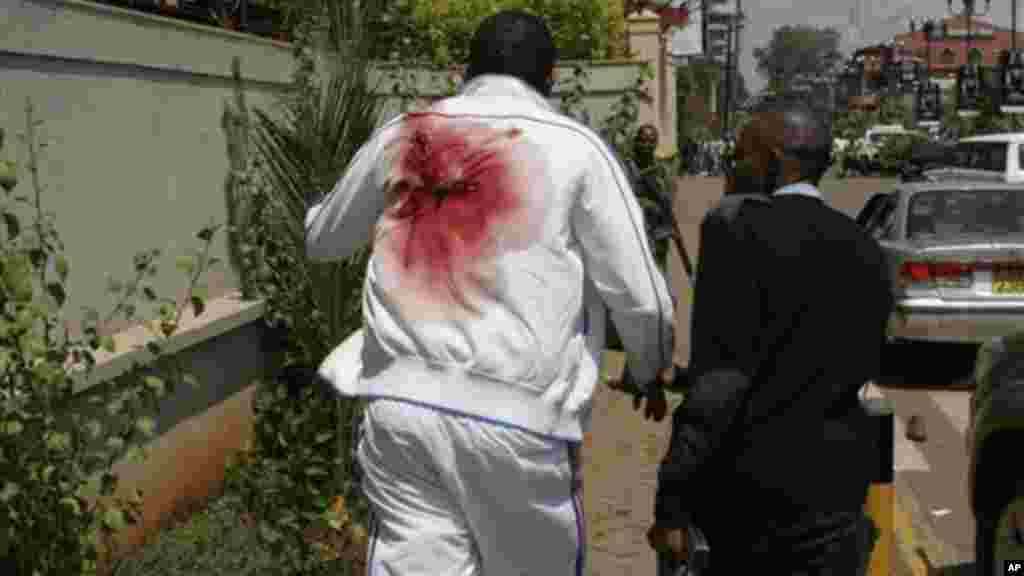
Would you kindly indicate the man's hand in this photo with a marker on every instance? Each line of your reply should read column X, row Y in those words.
column 670, row 541
column 657, row 404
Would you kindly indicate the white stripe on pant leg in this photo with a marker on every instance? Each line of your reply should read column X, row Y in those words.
column 419, row 531
column 539, row 535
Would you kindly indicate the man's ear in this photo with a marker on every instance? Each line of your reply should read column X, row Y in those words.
column 730, row 185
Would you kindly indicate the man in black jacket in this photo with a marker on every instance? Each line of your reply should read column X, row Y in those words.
column 771, row 453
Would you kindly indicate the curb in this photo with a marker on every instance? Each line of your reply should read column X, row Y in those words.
column 912, row 558
column 919, row 550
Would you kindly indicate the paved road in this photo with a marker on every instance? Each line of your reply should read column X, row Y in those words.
column 931, row 476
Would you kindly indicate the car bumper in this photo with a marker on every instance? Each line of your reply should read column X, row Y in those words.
column 934, row 320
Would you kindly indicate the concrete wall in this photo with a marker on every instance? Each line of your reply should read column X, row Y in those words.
column 132, row 106
column 198, row 429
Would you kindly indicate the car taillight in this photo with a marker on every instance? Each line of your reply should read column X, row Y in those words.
column 916, row 273
column 951, row 270
column 927, row 274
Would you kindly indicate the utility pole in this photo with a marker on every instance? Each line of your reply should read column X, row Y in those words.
column 739, row 29
column 728, row 82
column 732, row 57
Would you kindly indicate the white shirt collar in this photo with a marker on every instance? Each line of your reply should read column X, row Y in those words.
column 799, row 188
column 500, row 85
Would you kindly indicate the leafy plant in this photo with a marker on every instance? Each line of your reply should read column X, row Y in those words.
column 620, row 126
column 57, row 444
column 217, row 539
column 895, row 151
column 8, row 169
column 695, row 79
column 302, row 459
column 439, row 33
column 235, row 122
column 573, row 93
column 852, row 124
column 435, row 36
column 990, row 118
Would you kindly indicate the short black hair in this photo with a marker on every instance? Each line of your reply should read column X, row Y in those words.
column 807, row 134
column 514, row 43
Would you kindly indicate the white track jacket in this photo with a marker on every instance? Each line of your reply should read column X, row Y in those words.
column 491, row 216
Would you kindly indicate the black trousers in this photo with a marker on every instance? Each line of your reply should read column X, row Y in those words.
column 846, row 553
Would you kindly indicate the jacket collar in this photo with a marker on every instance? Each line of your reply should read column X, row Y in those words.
column 799, row 189
column 500, row 85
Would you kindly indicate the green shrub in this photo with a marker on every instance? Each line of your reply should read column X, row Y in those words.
column 989, row 120
column 439, row 33
column 302, row 458
column 215, row 540
column 895, row 151
column 57, row 445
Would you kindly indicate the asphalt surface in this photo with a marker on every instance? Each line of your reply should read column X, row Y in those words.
column 920, row 380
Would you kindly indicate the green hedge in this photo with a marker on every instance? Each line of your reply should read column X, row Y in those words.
column 895, row 151
column 440, row 31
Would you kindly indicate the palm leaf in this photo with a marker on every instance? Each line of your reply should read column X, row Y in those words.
column 306, row 148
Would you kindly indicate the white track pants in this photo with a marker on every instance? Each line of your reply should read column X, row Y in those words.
column 456, row 495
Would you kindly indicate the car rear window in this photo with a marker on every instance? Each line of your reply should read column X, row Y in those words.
column 981, row 155
column 941, row 213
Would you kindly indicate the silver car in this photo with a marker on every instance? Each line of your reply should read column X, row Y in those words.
column 956, row 251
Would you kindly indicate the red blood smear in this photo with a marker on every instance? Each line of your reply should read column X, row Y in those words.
column 455, row 190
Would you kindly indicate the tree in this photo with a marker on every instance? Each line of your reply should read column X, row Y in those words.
column 695, row 80
column 438, row 32
column 794, row 51
column 988, row 121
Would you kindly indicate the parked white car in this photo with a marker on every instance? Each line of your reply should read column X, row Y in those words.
column 993, row 157
column 863, row 153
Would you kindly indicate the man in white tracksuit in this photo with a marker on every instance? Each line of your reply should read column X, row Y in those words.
column 492, row 216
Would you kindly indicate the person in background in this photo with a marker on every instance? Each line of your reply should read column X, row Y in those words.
column 772, row 453
column 652, row 183
column 495, row 222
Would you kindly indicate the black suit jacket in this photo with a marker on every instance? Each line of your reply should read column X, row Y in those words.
column 789, row 315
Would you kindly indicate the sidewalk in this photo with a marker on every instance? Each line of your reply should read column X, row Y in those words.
column 621, row 456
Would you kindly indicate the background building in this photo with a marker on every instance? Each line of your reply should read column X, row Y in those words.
column 946, row 50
